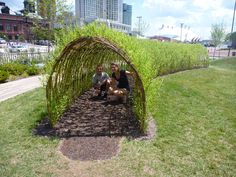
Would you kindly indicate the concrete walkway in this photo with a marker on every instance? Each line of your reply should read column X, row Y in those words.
column 11, row 89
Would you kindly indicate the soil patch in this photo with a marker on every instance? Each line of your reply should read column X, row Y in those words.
column 90, row 148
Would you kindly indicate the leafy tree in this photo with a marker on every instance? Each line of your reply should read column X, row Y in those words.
column 217, row 33
column 21, row 38
column 3, row 36
column 231, row 38
column 50, row 15
column 141, row 26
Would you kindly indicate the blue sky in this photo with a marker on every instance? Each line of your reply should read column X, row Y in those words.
column 199, row 15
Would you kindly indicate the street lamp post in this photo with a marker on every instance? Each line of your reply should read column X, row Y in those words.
column 139, row 24
column 181, row 31
column 232, row 28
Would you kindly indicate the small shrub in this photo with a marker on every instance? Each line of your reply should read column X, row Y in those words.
column 4, row 75
column 32, row 70
column 25, row 74
column 32, row 50
column 12, row 77
column 14, row 68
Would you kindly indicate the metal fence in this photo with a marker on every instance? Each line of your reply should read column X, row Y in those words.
column 11, row 57
column 220, row 53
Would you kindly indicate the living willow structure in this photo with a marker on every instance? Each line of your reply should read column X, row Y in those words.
column 80, row 50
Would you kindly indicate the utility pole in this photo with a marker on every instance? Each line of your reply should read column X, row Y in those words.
column 232, row 28
column 139, row 24
column 181, row 31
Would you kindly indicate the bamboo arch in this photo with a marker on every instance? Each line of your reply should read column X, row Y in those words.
column 73, row 69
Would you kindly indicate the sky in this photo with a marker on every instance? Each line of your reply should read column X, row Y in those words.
column 199, row 15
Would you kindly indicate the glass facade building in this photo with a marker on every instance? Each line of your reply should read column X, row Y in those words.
column 94, row 9
column 115, row 10
column 127, row 14
column 106, row 11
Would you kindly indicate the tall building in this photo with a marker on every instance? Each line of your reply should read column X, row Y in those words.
column 90, row 10
column 108, row 12
column 115, row 10
column 127, row 14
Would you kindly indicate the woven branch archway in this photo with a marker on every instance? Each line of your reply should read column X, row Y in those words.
column 72, row 72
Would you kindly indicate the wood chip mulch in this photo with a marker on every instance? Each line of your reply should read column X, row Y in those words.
column 92, row 116
column 91, row 128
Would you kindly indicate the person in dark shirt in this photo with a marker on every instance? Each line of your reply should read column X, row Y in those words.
column 119, row 82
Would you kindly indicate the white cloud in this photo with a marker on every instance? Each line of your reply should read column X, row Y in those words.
column 198, row 14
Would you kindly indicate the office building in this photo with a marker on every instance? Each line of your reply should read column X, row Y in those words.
column 99, row 9
column 90, row 10
column 115, row 10
column 109, row 12
column 127, row 14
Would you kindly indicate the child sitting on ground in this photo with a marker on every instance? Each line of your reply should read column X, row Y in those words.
column 100, row 81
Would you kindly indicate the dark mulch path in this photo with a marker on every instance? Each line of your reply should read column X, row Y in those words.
column 92, row 128
column 90, row 116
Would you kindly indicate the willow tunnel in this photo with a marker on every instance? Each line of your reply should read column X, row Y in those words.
column 73, row 69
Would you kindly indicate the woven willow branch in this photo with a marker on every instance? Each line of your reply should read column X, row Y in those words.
column 72, row 72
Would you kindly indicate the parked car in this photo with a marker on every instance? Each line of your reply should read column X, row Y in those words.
column 2, row 41
column 44, row 42
column 17, row 48
column 222, row 46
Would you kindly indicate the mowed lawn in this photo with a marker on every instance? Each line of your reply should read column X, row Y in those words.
column 195, row 112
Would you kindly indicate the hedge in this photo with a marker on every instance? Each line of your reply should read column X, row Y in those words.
column 3, row 76
column 79, row 50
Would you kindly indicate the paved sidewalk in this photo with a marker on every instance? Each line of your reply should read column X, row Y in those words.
column 11, row 89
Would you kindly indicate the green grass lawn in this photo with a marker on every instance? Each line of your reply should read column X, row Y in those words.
column 195, row 113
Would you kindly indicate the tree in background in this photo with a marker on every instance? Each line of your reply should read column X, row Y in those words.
column 141, row 26
column 231, row 38
column 3, row 36
column 50, row 16
column 217, row 35
column 21, row 38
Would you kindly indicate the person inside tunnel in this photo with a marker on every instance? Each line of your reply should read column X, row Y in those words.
column 101, row 82
column 119, row 86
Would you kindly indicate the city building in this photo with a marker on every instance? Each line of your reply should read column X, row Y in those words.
column 15, row 26
column 109, row 12
column 87, row 11
column 115, row 10
column 127, row 14
column 115, row 25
